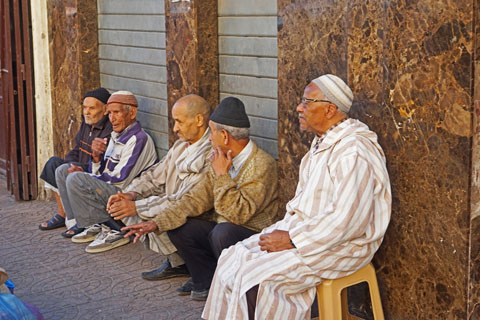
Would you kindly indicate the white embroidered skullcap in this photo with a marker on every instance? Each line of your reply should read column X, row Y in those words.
column 336, row 90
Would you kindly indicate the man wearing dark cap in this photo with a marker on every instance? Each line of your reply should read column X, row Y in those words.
column 95, row 124
column 237, row 198
column 113, row 166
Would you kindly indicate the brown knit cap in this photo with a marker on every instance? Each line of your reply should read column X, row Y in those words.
column 123, row 97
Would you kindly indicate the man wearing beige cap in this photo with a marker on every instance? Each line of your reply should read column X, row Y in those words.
column 129, row 152
column 333, row 225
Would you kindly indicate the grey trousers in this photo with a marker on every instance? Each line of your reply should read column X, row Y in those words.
column 61, row 178
column 86, row 197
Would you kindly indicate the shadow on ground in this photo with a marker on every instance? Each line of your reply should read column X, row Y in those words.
column 64, row 282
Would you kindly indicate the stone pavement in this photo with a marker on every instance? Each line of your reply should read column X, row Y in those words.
column 64, row 282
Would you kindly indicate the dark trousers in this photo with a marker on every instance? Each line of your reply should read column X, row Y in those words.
column 201, row 242
column 48, row 172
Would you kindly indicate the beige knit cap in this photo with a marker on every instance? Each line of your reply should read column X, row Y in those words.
column 336, row 90
column 123, row 97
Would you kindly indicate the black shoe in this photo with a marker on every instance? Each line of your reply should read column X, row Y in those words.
column 165, row 271
column 200, row 295
column 186, row 288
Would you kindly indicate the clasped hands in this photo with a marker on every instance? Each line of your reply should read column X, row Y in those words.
column 122, row 205
column 277, row 240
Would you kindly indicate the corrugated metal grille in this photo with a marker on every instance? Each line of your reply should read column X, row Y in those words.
column 248, row 63
column 131, row 36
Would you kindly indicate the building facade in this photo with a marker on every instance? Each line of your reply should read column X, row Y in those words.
column 413, row 67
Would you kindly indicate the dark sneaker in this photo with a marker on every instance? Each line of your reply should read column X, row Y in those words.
column 186, row 288
column 165, row 271
column 200, row 295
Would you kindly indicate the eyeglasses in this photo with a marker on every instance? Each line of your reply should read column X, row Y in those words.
column 305, row 100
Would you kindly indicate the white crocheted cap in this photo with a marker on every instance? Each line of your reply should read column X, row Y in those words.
column 336, row 90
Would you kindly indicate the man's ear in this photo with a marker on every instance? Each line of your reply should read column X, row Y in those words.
column 133, row 112
column 331, row 111
column 226, row 137
column 105, row 109
column 199, row 120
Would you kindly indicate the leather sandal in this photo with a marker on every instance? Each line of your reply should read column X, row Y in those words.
column 72, row 231
column 55, row 222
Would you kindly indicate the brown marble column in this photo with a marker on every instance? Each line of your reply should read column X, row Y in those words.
column 410, row 67
column 427, row 58
column 474, row 275
column 192, row 51
column 74, row 65
column 307, row 32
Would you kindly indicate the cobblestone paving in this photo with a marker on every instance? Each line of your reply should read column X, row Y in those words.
column 64, row 282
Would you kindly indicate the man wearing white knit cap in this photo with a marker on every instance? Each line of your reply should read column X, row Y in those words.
column 332, row 227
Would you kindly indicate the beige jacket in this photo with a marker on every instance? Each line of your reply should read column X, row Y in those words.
column 250, row 199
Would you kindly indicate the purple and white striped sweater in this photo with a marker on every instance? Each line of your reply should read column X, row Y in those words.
column 128, row 154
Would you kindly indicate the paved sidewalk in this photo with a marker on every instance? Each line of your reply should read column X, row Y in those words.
column 64, row 282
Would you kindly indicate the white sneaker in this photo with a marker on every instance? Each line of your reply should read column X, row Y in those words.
column 106, row 240
column 88, row 235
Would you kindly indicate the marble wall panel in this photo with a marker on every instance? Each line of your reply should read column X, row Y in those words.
column 365, row 30
column 308, row 33
column 89, row 68
column 409, row 64
column 427, row 60
column 73, row 65
column 474, row 274
column 62, row 31
column 192, row 52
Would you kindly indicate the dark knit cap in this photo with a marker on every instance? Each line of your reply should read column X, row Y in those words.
column 101, row 94
column 231, row 112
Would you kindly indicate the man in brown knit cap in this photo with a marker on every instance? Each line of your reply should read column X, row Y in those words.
column 237, row 198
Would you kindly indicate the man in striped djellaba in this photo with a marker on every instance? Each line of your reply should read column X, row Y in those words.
column 332, row 227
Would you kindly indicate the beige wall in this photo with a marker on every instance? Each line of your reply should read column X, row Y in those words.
column 43, row 98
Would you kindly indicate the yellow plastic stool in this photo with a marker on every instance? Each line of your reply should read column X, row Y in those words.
column 332, row 299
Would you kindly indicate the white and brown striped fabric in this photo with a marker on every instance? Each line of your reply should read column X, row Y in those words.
column 337, row 221
column 183, row 167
